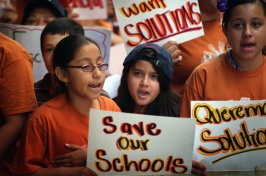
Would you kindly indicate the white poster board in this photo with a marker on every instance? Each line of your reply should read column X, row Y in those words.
column 158, row 21
column 87, row 9
column 154, row 145
column 29, row 37
column 230, row 135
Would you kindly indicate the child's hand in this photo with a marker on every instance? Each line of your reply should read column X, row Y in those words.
column 70, row 13
column 198, row 168
column 172, row 47
column 88, row 172
column 73, row 159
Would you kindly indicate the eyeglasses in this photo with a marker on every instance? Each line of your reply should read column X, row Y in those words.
column 90, row 68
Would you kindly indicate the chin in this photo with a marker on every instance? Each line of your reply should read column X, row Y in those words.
column 94, row 95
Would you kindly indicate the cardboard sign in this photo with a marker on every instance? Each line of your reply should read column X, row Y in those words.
column 133, row 144
column 158, row 21
column 87, row 9
column 230, row 135
column 29, row 37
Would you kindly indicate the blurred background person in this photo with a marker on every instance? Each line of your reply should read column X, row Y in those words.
column 17, row 97
column 41, row 12
column 8, row 11
column 198, row 50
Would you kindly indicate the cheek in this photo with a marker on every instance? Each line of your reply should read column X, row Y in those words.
column 132, row 84
column 232, row 39
column 47, row 58
column 156, row 88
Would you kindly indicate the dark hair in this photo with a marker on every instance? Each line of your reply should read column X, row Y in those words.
column 61, row 26
column 167, row 103
column 228, row 12
column 65, row 52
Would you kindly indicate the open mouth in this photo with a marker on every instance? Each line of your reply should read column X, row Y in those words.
column 143, row 93
column 95, row 85
column 248, row 45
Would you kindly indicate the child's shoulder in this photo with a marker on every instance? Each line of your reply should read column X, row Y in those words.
column 214, row 64
column 50, row 107
column 108, row 104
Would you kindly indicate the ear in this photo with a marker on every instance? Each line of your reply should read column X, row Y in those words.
column 61, row 74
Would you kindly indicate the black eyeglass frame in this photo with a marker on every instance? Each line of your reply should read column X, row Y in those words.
column 101, row 67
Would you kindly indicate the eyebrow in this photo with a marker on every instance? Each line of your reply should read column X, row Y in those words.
column 137, row 69
column 254, row 18
column 89, row 59
column 48, row 44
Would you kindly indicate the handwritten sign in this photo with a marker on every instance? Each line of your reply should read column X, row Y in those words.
column 158, row 21
column 133, row 144
column 87, row 9
column 230, row 135
column 29, row 37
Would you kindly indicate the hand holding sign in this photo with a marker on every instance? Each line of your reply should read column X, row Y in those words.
column 172, row 47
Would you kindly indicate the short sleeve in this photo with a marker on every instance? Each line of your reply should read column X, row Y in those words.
column 16, row 81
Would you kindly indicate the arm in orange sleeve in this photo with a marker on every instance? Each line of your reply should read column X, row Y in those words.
column 194, row 88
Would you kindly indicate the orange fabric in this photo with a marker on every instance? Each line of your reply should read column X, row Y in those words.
column 105, row 24
column 49, row 128
column 218, row 80
column 208, row 46
column 16, row 86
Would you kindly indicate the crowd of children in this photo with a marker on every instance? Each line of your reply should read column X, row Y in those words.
column 156, row 80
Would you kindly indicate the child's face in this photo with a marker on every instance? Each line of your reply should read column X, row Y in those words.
column 85, row 85
column 246, row 31
column 49, row 43
column 40, row 17
column 143, row 84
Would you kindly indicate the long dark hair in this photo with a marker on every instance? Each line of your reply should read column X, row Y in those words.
column 167, row 103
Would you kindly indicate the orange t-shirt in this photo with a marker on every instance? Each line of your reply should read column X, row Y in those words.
column 16, row 86
column 197, row 50
column 49, row 128
column 218, row 80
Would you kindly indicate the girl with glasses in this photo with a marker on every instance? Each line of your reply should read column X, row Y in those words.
column 80, row 75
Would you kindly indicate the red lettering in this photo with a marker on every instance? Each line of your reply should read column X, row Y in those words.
column 107, row 122
column 159, row 27
column 139, row 129
column 142, row 7
column 87, row 3
column 138, row 35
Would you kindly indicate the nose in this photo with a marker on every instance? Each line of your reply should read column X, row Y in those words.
column 96, row 73
column 144, row 81
column 247, row 31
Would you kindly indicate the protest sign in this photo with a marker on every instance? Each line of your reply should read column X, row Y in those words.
column 134, row 144
column 158, row 21
column 230, row 135
column 87, row 9
column 29, row 37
